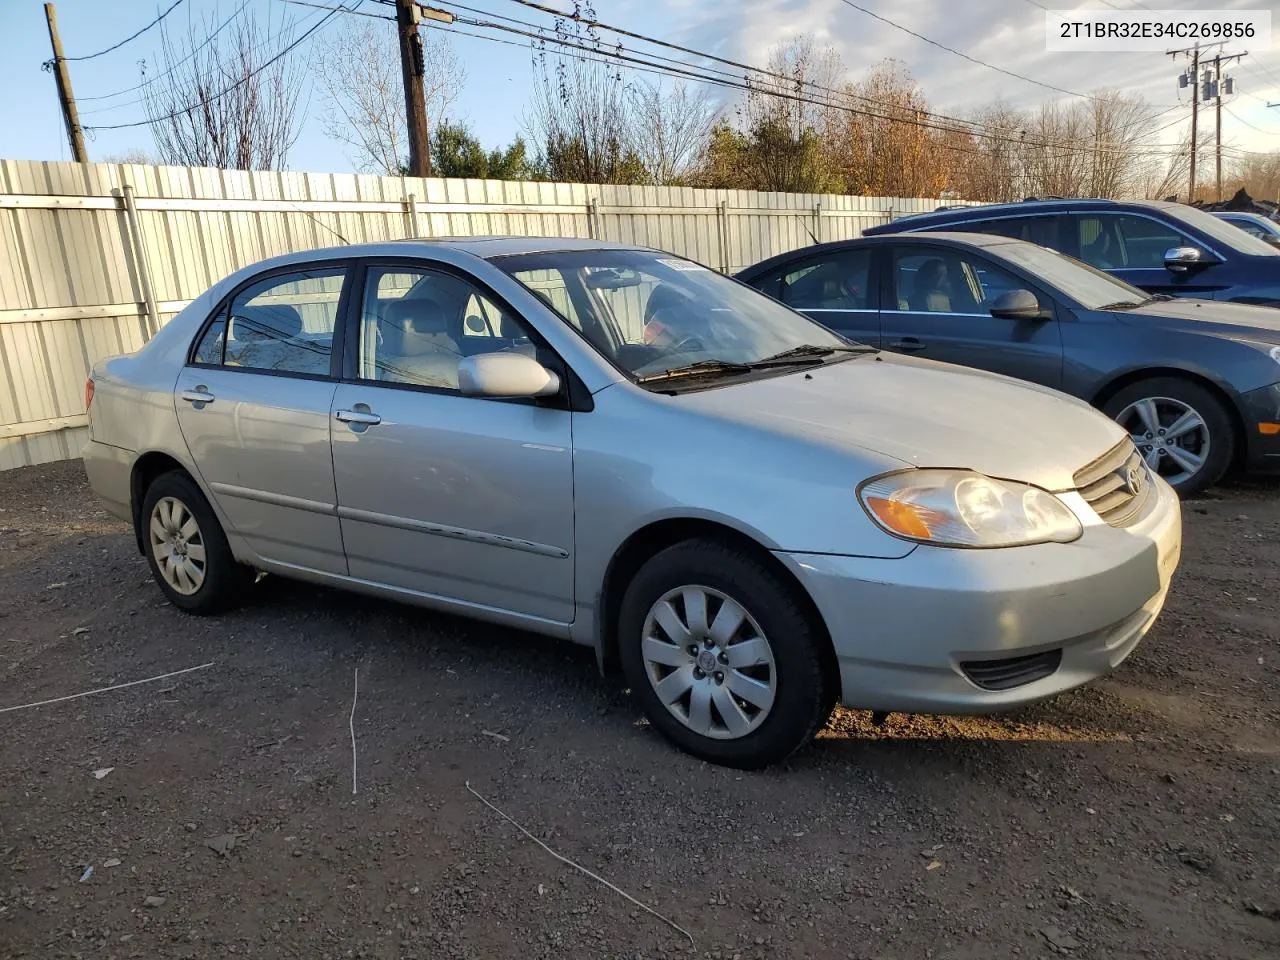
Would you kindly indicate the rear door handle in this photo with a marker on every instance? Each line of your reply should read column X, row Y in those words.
column 357, row 416
column 200, row 396
column 907, row 345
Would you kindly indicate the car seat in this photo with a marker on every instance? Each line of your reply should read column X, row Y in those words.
column 417, row 344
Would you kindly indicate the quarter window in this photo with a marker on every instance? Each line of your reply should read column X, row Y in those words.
column 283, row 324
column 417, row 325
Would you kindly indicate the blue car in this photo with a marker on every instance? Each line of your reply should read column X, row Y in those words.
column 1162, row 248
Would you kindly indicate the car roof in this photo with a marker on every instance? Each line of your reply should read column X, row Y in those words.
column 942, row 237
column 487, row 247
column 1025, row 207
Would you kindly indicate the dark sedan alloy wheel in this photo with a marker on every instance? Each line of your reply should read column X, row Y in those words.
column 1171, row 435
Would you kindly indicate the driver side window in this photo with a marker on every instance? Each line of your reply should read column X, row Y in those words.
column 1118, row 241
column 417, row 325
column 945, row 280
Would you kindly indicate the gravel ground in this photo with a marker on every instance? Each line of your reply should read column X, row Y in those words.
column 1137, row 818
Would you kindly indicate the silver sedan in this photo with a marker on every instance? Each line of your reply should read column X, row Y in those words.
column 748, row 515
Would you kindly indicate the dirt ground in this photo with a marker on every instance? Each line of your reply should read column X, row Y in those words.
column 1136, row 818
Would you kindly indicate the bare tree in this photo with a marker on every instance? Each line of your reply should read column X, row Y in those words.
column 673, row 127
column 581, row 120
column 994, row 169
column 359, row 69
column 798, row 69
column 1259, row 175
column 132, row 155
column 221, row 100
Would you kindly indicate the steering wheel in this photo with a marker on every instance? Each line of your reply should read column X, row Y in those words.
column 692, row 342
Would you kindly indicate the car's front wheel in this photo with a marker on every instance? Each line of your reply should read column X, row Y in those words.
column 1183, row 430
column 723, row 656
column 186, row 548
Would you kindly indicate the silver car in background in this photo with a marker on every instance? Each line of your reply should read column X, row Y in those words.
column 751, row 516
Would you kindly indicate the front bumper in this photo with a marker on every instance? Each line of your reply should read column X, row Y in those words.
column 1261, row 407
column 908, row 632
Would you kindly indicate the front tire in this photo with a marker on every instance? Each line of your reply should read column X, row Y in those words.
column 186, row 548
column 723, row 656
column 1183, row 430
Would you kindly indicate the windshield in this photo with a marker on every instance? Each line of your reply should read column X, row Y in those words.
column 1222, row 232
column 1088, row 286
column 651, row 313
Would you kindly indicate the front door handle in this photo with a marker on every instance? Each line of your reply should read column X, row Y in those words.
column 364, row 417
column 199, row 396
column 907, row 344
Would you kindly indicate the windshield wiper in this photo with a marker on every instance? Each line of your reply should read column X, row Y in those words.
column 1121, row 305
column 699, row 369
column 809, row 352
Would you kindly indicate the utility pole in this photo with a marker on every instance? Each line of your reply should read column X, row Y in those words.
column 1217, row 91
column 1192, row 79
column 69, row 116
column 412, row 69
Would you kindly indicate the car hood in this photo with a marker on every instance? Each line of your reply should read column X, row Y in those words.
column 926, row 414
column 1231, row 319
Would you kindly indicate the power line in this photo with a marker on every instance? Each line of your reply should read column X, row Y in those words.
column 790, row 81
column 1270, row 133
column 959, row 53
column 614, row 53
column 147, row 83
column 128, row 38
column 226, row 90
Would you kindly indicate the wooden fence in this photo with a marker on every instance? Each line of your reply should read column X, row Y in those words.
column 94, row 258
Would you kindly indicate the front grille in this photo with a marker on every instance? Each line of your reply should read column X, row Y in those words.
column 1012, row 671
column 1117, row 484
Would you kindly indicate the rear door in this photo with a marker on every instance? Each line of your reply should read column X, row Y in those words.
column 253, row 405
column 937, row 305
column 837, row 288
column 1132, row 247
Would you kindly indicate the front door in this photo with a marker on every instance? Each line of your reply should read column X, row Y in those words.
column 458, row 498
column 1132, row 247
column 253, row 406
column 942, row 312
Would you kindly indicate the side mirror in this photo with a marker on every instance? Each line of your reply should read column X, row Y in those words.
column 509, row 375
column 1182, row 259
column 1018, row 305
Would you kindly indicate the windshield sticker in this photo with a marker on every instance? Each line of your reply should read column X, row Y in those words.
column 684, row 266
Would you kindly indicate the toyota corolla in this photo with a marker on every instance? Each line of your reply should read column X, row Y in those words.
column 749, row 515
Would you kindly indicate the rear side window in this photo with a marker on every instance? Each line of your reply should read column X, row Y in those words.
column 282, row 324
column 1042, row 231
column 834, row 281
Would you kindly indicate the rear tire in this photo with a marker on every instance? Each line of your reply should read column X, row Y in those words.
column 723, row 656
column 186, row 548
column 1193, row 460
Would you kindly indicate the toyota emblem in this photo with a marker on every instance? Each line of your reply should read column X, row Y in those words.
column 1134, row 479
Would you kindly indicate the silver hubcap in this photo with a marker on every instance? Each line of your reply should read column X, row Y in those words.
column 1172, row 436
column 177, row 545
column 709, row 662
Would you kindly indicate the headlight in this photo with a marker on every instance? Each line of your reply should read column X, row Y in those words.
column 958, row 508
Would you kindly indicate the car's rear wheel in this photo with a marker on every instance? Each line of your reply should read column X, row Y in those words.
column 186, row 548
column 1183, row 430
column 723, row 656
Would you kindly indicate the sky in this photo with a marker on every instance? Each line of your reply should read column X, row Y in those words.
column 1005, row 33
